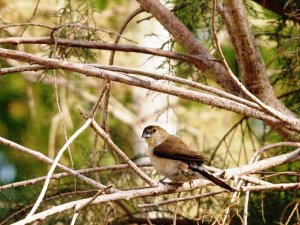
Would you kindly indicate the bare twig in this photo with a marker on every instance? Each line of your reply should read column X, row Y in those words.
column 187, row 94
column 64, row 174
column 120, row 153
column 81, row 206
column 275, row 187
column 170, row 201
column 49, row 161
column 166, row 189
column 265, row 107
column 53, row 166
column 103, row 46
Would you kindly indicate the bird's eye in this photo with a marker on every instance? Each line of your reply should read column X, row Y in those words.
column 154, row 130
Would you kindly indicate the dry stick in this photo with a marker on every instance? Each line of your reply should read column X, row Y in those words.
column 156, row 76
column 175, row 210
column 293, row 211
column 18, row 69
column 94, row 111
column 111, row 62
column 120, row 153
column 255, row 158
column 176, row 91
column 47, row 160
column 126, row 22
column 277, row 187
column 26, row 24
column 266, row 108
column 162, row 189
column 53, row 166
column 79, row 207
column 179, row 80
column 57, row 158
column 30, row 19
column 247, row 198
column 104, row 46
column 65, row 174
column 170, row 201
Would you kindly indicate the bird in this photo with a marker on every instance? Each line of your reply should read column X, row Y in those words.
column 173, row 159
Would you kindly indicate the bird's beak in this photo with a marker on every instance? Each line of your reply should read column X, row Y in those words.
column 146, row 135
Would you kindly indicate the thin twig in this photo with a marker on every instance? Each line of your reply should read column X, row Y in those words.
column 265, row 107
column 53, row 166
column 65, row 174
column 80, row 207
column 205, row 98
column 38, row 155
column 167, row 189
column 119, row 152
column 170, row 201
column 175, row 210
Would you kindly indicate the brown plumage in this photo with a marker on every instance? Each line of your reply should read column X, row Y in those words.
column 174, row 159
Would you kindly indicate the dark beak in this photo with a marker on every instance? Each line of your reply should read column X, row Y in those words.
column 146, row 134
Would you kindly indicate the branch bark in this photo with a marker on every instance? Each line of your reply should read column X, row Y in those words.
column 49, row 161
column 167, row 189
column 151, row 85
column 254, row 73
column 186, row 38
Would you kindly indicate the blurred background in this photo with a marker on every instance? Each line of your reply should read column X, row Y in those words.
column 37, row 109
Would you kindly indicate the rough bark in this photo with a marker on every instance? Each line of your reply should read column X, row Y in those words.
column 183, row 36
column 251, row 64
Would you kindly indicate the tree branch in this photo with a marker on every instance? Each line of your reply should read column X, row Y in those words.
column 151, row 85
column 254, row 74
column 184, row 37
column 167, row 189
column 49, row 161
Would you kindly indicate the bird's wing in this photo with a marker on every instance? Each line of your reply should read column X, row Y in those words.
column 174, row 148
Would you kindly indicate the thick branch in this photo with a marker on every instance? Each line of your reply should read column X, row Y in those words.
column 254, row 74
column 151, row 85
column 183, row 36
column 162, row 189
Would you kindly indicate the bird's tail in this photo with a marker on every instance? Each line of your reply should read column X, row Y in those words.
column 212, row 178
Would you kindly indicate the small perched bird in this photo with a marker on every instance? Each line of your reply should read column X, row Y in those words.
column 172, row 158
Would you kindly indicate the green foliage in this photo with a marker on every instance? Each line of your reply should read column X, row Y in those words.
column 271, row 207
column 103, row 4
column 278, row 41
column 195, row 15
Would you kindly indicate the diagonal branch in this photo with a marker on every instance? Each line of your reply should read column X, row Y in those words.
column 120, row 153
column 254, row 73
column 184, row 37
column 151, row 85
column 168, row 189
column 105, row 46
column 49, row 161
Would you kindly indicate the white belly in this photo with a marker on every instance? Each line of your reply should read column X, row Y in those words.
column 175, row 170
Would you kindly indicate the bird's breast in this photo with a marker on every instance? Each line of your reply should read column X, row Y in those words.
column 175, row 170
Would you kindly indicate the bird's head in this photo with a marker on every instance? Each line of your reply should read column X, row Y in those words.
column 154, row 135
